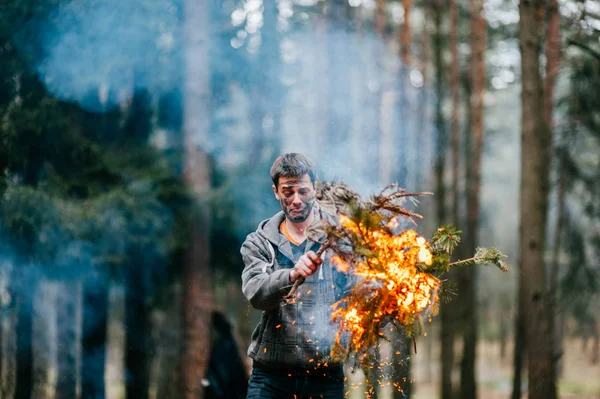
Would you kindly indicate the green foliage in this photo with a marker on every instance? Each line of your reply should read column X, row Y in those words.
column 445, row 239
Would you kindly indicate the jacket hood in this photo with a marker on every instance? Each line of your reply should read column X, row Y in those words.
column 269, row 228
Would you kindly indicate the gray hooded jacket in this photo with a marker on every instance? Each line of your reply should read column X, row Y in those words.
column 299, row 334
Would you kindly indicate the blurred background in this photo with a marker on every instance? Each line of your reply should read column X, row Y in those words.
column 135, row 144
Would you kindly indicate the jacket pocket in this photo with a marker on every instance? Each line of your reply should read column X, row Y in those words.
column 258, row 333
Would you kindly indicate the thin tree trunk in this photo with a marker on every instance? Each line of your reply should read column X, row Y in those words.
column 197, row 298
column 555, row 311
column 66, row 308
column 45, row 339
column 170, row 348
column 553, row 56
column 520, row 349
column 503, row 336
column 24, row 329
column 419, row 165
column 536, row 140
column 380, row 18
column 196, row 276
column 447, row 335
column 477, row 78
column 94, row 337
column 596, row 347
column 406, row 34
column 455, row 93
column 441, row 142
column 448, row 311
column 137, row 333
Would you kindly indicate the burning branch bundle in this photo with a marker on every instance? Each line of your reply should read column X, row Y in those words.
column 399, row 272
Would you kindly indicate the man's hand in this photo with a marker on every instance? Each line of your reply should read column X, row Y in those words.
column 307, row 265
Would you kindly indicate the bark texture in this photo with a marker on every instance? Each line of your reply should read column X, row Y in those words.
column 536, row 140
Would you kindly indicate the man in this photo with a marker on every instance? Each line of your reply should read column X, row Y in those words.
column 291, row 344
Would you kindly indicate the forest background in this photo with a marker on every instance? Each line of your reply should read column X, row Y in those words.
column 135, row 144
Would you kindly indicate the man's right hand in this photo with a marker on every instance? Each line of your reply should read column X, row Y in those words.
column 307, row 265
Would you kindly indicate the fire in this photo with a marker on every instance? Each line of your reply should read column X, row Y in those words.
column 339, row 264
column 391, row 286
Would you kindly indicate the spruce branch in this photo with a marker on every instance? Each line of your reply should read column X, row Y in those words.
column 485, row 256
column 446, row 239
column 400, row 272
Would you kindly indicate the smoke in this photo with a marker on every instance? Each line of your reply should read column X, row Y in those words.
column 282, row 79
column 106, row 47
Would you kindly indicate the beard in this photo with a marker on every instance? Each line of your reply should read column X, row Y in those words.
column 298, row 217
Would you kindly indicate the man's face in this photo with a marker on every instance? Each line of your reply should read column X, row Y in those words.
column 297, row 197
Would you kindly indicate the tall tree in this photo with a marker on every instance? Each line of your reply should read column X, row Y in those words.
column 536, row 140
column 137, row 129
column 406, row 34
column 66, row 308
column 24, row 328
column 553, row 56
column 468, row 275
column 93, row 335
column 441, row 142
column 418, row 164
column 137, row 329
column 196, row 275
column 448, row 311
column 519, row 350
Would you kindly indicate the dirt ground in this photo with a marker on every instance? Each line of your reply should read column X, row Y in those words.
column 580, row 378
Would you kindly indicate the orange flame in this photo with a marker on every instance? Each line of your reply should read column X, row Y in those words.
column 339, row 264
column 391, row 286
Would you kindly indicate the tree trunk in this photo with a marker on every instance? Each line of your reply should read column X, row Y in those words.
column 419, row 164
column 455, row 90
column 137, row 333
column 94, row 337
column 380, row 18
column 405, row 34
column 66, row 309
column 536, row 140
column 197, row 291
column 553, row 56
column 469, row 299
column 448, row 311
column 24, row 329
column 8, row 376
column 169, row 347
column 441, row 142
column 520, row 349
column 555, row 311
column 447, row 335
column 7, row 330
column 196, row 275
column 596, row 348
column 45, row 339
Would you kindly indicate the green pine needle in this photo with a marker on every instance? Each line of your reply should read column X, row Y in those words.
column 446, row 239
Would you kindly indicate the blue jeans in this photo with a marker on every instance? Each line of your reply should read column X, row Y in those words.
column 280, row 384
